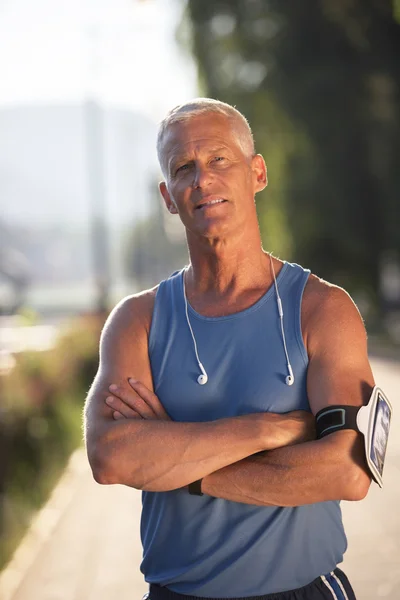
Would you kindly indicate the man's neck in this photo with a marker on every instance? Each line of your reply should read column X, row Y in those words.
column 226, row 267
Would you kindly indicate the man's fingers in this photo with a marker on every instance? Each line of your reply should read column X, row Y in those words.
column 150, row 398
column 117, row 415
column 126, row 401
column 137, row 401
column 120, row 407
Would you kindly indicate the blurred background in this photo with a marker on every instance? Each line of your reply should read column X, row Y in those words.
column 83, row 87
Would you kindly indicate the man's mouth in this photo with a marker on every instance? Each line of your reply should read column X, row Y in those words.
column 210, row 203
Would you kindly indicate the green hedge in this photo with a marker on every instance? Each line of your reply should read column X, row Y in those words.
column 40, row 424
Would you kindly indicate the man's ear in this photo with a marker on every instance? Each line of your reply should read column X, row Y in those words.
column 169, row 203
column 260, row 173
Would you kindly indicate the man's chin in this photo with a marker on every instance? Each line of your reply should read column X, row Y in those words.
column 213, row 228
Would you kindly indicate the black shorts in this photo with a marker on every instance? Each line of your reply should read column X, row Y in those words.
column 333, row 586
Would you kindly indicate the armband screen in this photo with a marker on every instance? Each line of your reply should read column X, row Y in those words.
column 380, row 434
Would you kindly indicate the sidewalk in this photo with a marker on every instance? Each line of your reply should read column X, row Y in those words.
column 84, row 544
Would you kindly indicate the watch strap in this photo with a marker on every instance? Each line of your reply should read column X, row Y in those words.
column 195, row 488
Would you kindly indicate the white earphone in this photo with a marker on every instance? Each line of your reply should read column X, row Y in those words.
column 290, row 378
column 203, row 378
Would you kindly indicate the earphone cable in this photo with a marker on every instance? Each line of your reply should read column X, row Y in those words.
column 188, row 320
column 280, row 311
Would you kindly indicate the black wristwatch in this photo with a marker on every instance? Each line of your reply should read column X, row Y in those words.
column 195, row 488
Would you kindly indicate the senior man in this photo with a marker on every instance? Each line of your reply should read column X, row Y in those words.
column 208, row 385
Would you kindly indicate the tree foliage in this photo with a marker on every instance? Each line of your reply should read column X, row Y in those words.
column 319, row 82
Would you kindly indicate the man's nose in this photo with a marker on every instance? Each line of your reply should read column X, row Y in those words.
column 202, row 176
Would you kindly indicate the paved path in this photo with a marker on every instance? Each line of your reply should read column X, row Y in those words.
column 372, row 560
column 85, row 544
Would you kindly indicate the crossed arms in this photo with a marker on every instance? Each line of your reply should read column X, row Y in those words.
column 262, row 458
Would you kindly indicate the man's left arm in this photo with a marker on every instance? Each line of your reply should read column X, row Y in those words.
column 334, row 467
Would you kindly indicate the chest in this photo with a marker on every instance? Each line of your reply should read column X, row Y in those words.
column 245, row 364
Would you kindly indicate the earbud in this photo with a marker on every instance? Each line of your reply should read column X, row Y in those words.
column 290, row 378
column 203, row 378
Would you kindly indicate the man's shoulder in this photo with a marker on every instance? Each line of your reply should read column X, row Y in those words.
column 328, row 308
column 132, row 313
column 142, row 300
column 321, row 295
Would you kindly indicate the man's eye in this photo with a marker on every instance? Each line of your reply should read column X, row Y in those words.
column 182, row 168
column 218, row 158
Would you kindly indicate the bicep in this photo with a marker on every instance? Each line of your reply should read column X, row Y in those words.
column 123, row 354
column 339, row 371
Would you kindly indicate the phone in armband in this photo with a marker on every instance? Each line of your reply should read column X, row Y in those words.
column 372, row 420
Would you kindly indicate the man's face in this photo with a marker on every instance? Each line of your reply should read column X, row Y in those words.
column 210, row 181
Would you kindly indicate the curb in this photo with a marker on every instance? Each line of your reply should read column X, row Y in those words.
column 42, row 526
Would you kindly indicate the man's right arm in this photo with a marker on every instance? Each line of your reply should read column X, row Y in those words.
column 161, row 455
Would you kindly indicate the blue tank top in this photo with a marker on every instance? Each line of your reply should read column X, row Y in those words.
column 204, row 546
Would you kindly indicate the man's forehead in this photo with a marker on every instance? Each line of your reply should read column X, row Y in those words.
column 198, row 132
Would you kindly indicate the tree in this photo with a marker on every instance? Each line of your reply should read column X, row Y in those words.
column 319, row 81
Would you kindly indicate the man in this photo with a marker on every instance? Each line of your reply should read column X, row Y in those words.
column 203, row 382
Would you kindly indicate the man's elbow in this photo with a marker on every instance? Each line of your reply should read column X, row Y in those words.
column 109, row 475
column 98, row 468
column 103, row 471
column 101, row 476
column 108, row 471
column 358, row 485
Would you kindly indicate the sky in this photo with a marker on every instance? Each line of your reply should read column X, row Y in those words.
column 121, row 52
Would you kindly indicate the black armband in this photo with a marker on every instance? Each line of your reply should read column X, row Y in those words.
column 334, row 418
column 372, row 420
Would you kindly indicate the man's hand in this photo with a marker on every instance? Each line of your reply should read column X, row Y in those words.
column 137, row 402
column 140, row 403
column 298, row 426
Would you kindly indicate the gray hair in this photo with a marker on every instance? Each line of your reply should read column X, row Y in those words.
column 202, row 106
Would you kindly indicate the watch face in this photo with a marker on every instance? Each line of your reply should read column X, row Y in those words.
column 380, row 434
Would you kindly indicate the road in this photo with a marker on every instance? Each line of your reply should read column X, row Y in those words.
column 85, row 543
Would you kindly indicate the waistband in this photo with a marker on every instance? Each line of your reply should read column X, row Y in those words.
column 157, row 592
